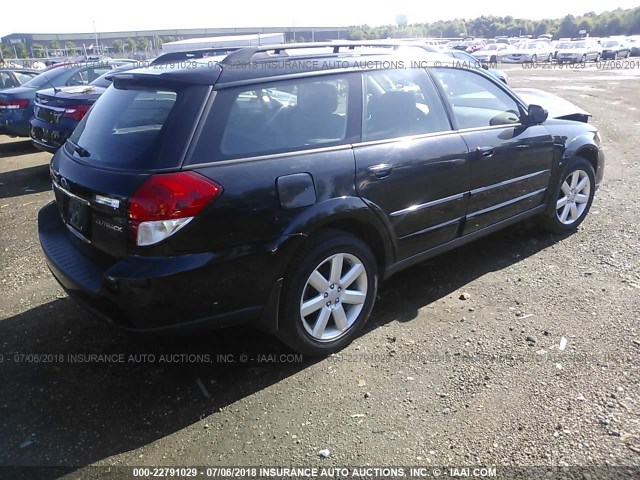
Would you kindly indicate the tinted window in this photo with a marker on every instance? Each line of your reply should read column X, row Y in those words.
column 401, row 103
column 5, row 80
column 284, row 116
column 141, row 127
column 46, row 78
column 475, row 100
column 24, row 77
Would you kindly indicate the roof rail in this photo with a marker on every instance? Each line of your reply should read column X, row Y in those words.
column 245, row 55
column 185, row 55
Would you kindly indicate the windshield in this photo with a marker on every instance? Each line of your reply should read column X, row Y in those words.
column 611, row 44
column 527, row 46
column 578, row 45
column 494, row 46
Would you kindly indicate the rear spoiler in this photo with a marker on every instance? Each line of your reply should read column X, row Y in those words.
column 187, row 55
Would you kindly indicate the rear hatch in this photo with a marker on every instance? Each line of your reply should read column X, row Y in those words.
column 137, row 129
column 72, row 102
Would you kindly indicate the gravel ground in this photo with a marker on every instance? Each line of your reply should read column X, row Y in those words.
column 462, row 362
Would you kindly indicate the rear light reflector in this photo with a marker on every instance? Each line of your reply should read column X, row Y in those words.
column 165, row 203
column 77, row 112
column 17, row 104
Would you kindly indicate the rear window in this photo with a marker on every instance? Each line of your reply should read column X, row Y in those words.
column 138, row 127
column 45, row 78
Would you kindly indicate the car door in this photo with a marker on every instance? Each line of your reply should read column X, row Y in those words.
column 511, row 162
column 411, row 167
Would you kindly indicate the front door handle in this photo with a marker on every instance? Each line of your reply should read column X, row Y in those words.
column 381, row 170
column 485, row 151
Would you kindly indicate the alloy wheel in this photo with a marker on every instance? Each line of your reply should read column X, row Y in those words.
column 333, row 297
column 574, row 197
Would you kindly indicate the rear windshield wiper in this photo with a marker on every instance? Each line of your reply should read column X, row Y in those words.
column 79, row 150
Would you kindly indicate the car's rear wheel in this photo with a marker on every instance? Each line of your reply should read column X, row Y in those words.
column 328, row 295
column 573, row 197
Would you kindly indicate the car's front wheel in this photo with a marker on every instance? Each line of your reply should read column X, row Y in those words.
column 328, row 294
column 573, row 197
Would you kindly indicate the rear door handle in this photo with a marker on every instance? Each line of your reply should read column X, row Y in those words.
column 381, row 170
column 485, row 151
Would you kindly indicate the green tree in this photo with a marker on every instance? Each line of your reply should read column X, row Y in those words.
column 70, row 46
column 38, row 50
column 118, row 46
column 143, row 44
column 7, row 51
column 131, row 44
column 54, row 45
column 22, row 50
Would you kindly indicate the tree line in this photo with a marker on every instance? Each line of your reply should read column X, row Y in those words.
column 616, row 22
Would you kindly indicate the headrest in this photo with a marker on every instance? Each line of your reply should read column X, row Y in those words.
column 318, row 98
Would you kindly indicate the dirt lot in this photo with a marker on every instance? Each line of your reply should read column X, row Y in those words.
column 434, row 380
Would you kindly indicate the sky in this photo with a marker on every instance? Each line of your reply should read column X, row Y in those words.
column 74, row 16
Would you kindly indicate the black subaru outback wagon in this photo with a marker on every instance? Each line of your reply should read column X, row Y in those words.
column 278, row 188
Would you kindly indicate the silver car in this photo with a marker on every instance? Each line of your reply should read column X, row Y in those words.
column 531, row 52
column 579, row 51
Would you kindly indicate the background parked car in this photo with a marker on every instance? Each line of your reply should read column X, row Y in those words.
column 16, row 104
column 57, row 111
column 492, row 53
column 634, row 47
column 579, row 51
column 14, row 77
column 531, row 52
column 614, row 49
column 471, row 60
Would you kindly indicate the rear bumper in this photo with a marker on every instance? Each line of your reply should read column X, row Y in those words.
column 16, row 122
column 156, row 294
column 49, row 137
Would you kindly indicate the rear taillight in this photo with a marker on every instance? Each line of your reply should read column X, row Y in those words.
column 77, row 112
column 165, row 203
column 17, row 104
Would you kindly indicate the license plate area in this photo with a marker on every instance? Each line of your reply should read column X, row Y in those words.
column 75, row 211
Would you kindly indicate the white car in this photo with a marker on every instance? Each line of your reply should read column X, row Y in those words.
column 579, row 51
column 531, row 52
column 493, row 53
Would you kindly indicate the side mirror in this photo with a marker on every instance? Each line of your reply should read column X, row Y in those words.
column 536, row 115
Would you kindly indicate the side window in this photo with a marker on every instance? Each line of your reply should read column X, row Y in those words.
column 475, row 100
column 77, row 78
column 24, row 77
column 5, row 80
column 286, row 116
column 94, row 73
column 400, row 103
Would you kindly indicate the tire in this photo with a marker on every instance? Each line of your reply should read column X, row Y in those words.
column 534, row 59
column 572, row 198
column 493, row 60
column 341, row 308
column 584, row 59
